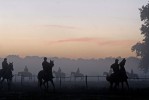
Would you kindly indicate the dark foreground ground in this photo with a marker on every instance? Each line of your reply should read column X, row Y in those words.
column 30, row 91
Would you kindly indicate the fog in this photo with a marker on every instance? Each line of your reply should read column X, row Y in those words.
column 86, row 66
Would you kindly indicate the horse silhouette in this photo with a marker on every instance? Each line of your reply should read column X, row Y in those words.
column 44, row 78
column 77, row 74
column 7, row 75
column 25, row 73
column 119, row 77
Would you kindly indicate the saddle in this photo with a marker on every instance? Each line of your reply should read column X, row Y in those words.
column 48, row 74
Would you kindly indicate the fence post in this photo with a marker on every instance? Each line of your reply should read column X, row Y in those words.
column 75, row 78
column 15, row 77
column 21, row 80
column 34, row 78
column 86, row 81
column 60, row 82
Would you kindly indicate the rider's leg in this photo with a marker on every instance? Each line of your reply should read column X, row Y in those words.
column 39, row 83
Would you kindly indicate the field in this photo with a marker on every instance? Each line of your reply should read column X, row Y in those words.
column 75, row 90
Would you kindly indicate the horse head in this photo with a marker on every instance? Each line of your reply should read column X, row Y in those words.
column 51, row 63
column 11, row 66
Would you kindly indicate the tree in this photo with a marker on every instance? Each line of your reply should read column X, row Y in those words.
column 142, row 48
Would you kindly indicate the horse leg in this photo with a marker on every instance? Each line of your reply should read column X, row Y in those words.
column 44, row 83
column 40, row 82
column 111, row 85
column 47, row 85
column 122, row 84
column 116, row 85
column 2, row 80
column 8, row 83
column 53, row 84
column 1, row 83
column 127, row 84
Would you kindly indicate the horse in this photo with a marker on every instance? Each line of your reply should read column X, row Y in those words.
column 7, row 75
column 116, row 79
column 44, row 78
column 75, row 75
column 25, row 74
column 59, row 74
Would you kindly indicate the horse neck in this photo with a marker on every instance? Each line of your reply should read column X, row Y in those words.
column 9, row 68
column 51, row 64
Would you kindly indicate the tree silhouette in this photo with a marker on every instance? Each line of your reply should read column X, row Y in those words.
column 142, row 48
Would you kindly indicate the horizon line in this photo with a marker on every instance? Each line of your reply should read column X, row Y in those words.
column 66, row 57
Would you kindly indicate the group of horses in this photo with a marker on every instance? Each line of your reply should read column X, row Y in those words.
column 73, row 75
column 44, row 79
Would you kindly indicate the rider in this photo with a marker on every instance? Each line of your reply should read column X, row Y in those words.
column 47, row 68
column 25, row 69
column 45, row 64
column 4, row 65
column 59, row 70
column 78, row 71
column 115, row 68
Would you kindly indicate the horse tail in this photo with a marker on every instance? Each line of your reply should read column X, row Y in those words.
column 39, row 79
column 108, row 78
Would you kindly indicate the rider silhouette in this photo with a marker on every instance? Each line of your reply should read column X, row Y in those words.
column 4, row 65
column 115, row 68
column 25, row 69
column 59, row 70
column 78, row 71
column 47, row 68
column 45, row 64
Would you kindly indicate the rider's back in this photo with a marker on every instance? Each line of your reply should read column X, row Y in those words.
column 45, row 65
column 115, row 67
column 4, row 65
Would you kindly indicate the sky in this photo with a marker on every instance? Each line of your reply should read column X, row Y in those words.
column 69, row 28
